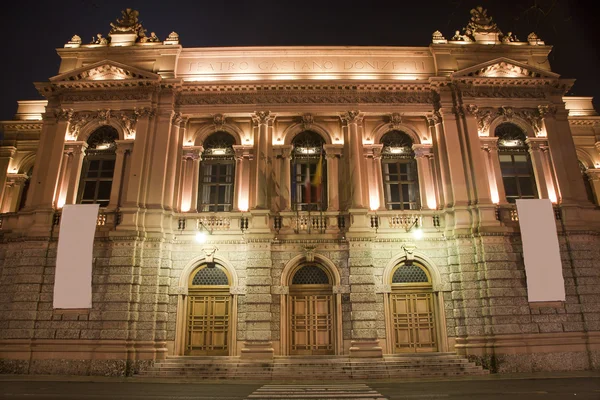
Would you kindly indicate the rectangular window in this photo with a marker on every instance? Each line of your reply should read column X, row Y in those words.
column 517, row 175
column 401, row 184
column 96, row 182
column 216, row 186
column 307, row 193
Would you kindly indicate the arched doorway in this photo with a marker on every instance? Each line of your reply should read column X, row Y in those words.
column 311, row 310
column 209, row 312
column 411, row 307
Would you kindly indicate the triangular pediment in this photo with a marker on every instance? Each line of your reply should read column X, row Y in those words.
column 504, row 68
column 106, row 70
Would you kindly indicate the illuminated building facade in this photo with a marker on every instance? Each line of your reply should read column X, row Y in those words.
column 285, row 201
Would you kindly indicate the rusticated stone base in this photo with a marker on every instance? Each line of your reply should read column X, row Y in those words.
column 533, row 352
column 78, row 357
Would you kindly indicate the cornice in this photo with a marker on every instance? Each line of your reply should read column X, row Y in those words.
column 21, row 126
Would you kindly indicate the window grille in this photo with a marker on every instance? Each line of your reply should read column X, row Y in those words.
column 210, row 277
column 409, row 274
column 310, row 275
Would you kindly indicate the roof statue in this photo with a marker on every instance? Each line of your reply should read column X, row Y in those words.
column 481, row 29
column 128, row 23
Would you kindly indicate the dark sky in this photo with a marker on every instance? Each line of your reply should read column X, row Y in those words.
column 32, row 30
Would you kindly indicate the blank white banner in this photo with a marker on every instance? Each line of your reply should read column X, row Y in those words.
column 73, row 276
column 541, row 252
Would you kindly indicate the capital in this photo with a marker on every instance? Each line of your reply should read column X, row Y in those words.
column 263, row 117
column 351, row 117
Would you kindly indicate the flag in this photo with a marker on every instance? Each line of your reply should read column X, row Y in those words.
column 307, row 186
column 318, row 179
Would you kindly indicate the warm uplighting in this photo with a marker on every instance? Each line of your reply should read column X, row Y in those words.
column 364, row 77
column 325, row 77
column 431, row 204
column 374, row 202
column 185, row 207
column 495, row 196
column 243, row 205
column 552, row 195
column 60, row 203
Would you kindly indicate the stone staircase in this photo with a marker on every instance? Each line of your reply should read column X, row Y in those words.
column 318, row 368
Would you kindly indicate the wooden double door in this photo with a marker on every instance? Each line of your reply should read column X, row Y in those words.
column 413, row 321
column 311, row 325
column 208, row 325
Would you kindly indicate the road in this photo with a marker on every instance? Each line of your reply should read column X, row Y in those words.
column 561, row 388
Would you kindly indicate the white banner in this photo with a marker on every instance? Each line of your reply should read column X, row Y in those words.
column 543, row 266
column 73, row 276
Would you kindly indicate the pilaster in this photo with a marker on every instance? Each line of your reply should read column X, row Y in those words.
column 351, row 119
column 263, row 120
column 282, row 200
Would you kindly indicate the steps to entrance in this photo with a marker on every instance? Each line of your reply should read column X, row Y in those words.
column 316, row 368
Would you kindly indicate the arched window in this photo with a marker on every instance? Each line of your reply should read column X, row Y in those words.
column 309, row 183
column 586, row 183
column 399, row 169
column 515, row 163
column 98, row 167
column 217, row 173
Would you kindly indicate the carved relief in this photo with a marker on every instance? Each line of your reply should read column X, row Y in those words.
column 219, row 120
column 307, row 121
column 395, row 120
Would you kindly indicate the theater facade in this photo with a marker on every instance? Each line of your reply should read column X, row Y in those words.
column 258, row 202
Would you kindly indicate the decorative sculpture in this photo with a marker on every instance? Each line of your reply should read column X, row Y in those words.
column 99, row 39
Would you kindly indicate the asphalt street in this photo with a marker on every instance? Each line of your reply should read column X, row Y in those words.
column 492, row 388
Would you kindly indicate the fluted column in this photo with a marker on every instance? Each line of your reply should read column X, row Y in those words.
column 77, row 151
column 262, row 119
column 372, row 154
column 352, row 119
column 333, row 152
column 243, row 156
column 477, row 163
column 423, row 153
column 63, row 178
column 186, row 176
column 490, row 146
column 544, row 185
column 282, row 195
column 138, row 159
column 123, row 149
column 178, row 123
column 195, row 157
column 442, row 149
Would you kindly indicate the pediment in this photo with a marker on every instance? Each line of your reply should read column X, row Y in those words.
column 105, row 70
column 504, row 68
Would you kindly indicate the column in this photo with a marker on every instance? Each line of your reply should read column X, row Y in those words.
column 456, row 168
column 262, row 119
column 351, row 119
column 563, row 155
column 423, row 153
column 442, row 152
column 282, row 193
column 6, row 155
column 123, row 149
column 537, row 160
column 13, row 191
column 243, row 156
column 489, row 149
column 186, row 185
column 77, row 155
column 48, row 161
column 63, row 178
column 178, row 124
column 333, row 152
column 477, row 167
column 138, row 159
column 195, row 158
column 594, row 176
column 370, row 152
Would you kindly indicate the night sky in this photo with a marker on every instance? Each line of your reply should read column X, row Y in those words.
column 32, row 30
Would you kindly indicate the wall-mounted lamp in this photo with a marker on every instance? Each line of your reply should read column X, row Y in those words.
column 202, row 232
column 415, row 228
column 243, row 223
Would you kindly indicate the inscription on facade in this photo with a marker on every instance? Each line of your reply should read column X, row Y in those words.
column 385, row 65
